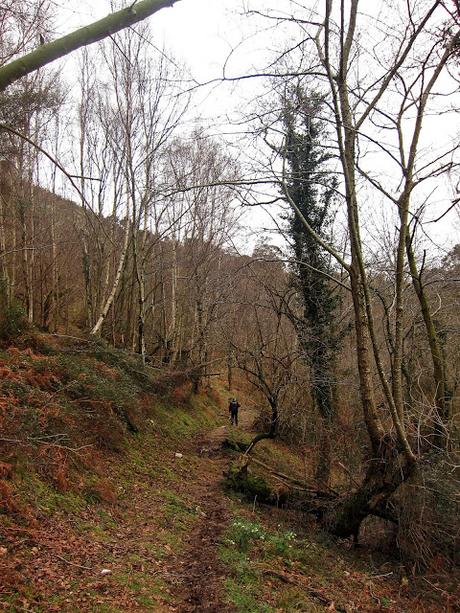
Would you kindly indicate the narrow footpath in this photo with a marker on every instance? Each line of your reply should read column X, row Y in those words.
column 200, row 577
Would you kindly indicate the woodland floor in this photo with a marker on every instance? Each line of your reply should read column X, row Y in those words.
column 175, row 541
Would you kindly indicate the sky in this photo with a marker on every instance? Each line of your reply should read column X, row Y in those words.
column 201, row 34
column 208, row 34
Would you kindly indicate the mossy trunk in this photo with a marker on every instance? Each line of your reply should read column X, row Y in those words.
column 94, row 32
column 384, row 476
column 322, row 392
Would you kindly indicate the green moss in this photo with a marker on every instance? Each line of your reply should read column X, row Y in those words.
column 105, row 608
column 145, row 588
column 248, row 484
column 34, row 490
column 237, row 440
column 170, row 538
column 294, row 599
column 182, row 423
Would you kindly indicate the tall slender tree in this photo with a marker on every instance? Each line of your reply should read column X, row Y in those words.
column 312, row 186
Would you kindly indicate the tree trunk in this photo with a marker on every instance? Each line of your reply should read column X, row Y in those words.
column 384, row 475
column 442, row 394
column 323, row 466
column 3, row 248
column 230, row 366
column 323, row 397
column 273, row 430
column 121, row 264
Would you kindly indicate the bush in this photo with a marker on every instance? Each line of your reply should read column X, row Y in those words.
column 429, row 525
column 242, row 533
column 12, row 322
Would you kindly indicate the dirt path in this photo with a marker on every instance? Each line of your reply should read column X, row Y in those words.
column 201, row 575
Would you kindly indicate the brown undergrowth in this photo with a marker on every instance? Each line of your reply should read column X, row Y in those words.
column 111, row 500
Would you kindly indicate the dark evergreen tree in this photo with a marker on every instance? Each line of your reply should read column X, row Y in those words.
column 312, row 187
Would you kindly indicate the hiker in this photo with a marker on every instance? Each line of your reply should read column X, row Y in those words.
column 233, row 407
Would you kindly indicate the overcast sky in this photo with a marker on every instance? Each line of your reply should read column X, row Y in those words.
column 202, row 33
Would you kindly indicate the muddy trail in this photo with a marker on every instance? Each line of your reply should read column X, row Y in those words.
column 201, row 575
column 199, row 583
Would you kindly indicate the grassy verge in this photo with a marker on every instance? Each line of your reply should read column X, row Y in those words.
column 96, row 482
column 257, row 558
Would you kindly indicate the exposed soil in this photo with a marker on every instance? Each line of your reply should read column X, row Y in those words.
column 201, row 575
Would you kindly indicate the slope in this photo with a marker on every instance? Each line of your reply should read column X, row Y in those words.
column 112, row 500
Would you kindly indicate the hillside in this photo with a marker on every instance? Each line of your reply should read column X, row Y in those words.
column 111, row 499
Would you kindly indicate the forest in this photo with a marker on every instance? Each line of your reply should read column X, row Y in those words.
column 300, row 255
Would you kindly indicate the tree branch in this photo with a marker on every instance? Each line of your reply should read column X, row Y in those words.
column 112, row 23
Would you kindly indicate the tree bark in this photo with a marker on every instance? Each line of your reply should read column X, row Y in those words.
column 121, row 265
column 384, row 475
column 437, row 357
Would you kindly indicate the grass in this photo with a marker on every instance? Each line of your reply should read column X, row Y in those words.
column 249, row 549
column 180, row 423
column 98, row 400
column 142, row 534
column 46, row 499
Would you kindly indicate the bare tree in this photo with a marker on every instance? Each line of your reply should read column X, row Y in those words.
column 379, row 107
column 145, row 112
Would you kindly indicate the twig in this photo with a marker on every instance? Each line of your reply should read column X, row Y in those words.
column 374, row 596
column 31, row 440
column 18, row 607
column 75, row 338
column 348, row 471
column 72, row 563
column 46, row 154
column 438, row 589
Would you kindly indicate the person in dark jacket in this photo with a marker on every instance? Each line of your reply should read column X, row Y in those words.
column 233, row 407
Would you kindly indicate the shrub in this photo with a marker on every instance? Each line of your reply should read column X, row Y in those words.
column 12, row 322
column 243, row 533
column 429, row 522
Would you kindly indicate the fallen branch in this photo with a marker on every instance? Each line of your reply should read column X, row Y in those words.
column 43, row 441
column 72, row 563
column 260, row 437
column 316, row 594
column 296, row 482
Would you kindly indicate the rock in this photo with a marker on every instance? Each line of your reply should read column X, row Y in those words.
column 105, row 571
column 178, row 455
